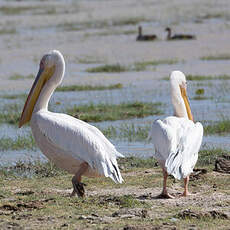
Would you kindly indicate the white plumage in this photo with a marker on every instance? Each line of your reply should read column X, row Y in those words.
column 177, row 139
column 76, row 142
column 73, row 145
column 177, row 142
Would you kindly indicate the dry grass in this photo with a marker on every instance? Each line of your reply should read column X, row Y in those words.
column 44, row 202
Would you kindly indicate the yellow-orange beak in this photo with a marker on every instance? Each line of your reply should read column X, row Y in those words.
column 43, row 75
column 186, row 102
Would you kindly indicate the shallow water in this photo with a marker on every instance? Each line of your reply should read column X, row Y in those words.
column 141, row 149
column 21, row 52
column 12, row 131
column 12, row 157
column 147, row 91
column 208, row 110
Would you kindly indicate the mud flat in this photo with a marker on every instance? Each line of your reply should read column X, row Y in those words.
column 42, row 201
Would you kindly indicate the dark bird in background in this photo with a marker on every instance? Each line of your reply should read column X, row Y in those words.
column 147, row 37
column 178, row 36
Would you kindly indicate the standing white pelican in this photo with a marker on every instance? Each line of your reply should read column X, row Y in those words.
column 177, row 139
column 73, row 145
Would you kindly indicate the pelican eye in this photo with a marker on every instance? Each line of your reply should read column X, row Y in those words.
column 42, row 65
column 184, row 84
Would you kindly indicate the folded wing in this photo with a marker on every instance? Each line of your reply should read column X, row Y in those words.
column 82, row 141
column 177, row 142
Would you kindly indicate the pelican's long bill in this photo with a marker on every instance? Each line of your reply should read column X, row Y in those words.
column 42, row 77
column 186, row 102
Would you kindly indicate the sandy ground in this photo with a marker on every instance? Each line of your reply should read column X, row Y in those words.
column 31, row 201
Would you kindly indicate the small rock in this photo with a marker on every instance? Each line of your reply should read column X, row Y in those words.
column 95, row 215
column 131, row 213
column 11, row 225
column 192, row 227
column 40, row 219
column 130, row 228
column 173, row 219
column 127, row 216
column 198, row 215
column 121, row 167
column 220, row 215
column 106, row 220
column 144, row 213
column 222, row 164
column 25, row 193
column 197, row 174
column 82, row 217
column 115, row 214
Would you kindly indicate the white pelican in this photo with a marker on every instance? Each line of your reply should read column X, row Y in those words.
column 177, row 139
column 73, row 145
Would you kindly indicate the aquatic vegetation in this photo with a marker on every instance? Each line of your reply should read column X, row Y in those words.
column 124, row 132
column 143, row 65
column 17, row 76
column 136, row 162
column 17, row 10
column 129, row 201
column 11, row 10
column 132, row 132
column 88, row 87
column 128, row 132
column 213, row 15
column 89, row 60
column 99, row 24
column 50, row 10
column 14, row 96
column 111, row 32
column 10, row 114
column 95, row 113
column 8, row 31
column 137, row 66
column 32, row 169
column 200, row 91
column 107, row 112
column 208, row 156
column 71, row 26
column 21, row 142
column 200, row 95
column 220, row 127
column 216, row 57
column 116, row 68
column 204, row 78
column 127, row 21
column 191, row 77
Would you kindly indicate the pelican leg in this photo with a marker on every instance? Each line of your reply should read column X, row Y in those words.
column 186, row 193
column 78, row 187
column 165, row 193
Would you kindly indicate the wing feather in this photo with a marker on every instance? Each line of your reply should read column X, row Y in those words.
column 177, row 142
column 163, row 137
column 82, row 141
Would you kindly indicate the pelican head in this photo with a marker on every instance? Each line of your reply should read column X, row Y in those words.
column 140, row 30
column 49, row 76
column 179, row 95
column 167, row 29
